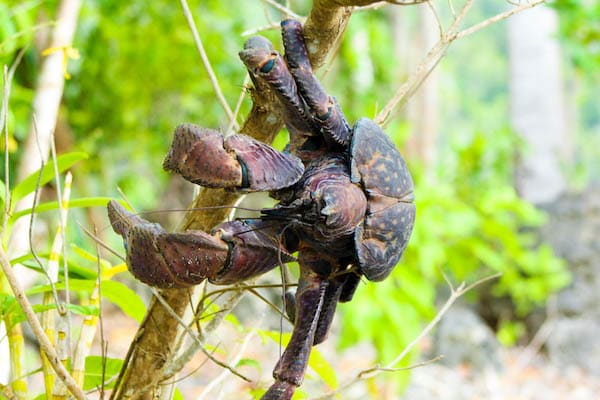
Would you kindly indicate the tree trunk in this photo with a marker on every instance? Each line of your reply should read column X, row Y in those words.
column 46, row 103
column 45, row 111
column 537, row 108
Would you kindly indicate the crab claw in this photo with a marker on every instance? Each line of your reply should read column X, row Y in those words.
column 205, row 157
column 167, row 260
column 233, row 252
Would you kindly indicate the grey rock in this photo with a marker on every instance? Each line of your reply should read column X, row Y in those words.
column 574, row 341
column 462, row 337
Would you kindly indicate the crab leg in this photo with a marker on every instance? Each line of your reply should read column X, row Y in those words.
column 323, row 107
column 265, row 63
column 289, row 371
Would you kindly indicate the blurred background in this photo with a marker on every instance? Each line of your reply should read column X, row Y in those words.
column 503, row 140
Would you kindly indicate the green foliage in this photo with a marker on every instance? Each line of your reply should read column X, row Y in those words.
column 509, row 332
column 28, row 185
column 487, row 225
column 99, row 371
column 580, row 29
column 317, row 363
column 83, row 278
column 470, row 224
column 580, row 36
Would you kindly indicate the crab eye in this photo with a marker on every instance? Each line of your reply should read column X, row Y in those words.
column 268, row 66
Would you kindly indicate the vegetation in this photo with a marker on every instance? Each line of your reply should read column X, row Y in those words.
column 138, row 75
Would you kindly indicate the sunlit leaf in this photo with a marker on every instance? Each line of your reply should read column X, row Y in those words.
column 99, row 371
column 115, row 292
column 63, row 162
column 53, row 205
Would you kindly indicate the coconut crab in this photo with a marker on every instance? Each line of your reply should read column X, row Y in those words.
column 345, row 205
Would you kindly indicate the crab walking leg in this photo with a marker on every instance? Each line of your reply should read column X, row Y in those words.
column 234, row 252
column 203, row 156
column 330, row 301
column 323, row 107
column 289, row 371
column 263, row 62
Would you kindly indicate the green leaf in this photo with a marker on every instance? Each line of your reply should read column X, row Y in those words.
column 2, row 192
column 76, row 270
column 177, row 395
column 249, row 362
column 94, row 366
column 323, row 368
column 63, row 162
column 13, row 314
column 124, row 298
column 53, row 205
column 115, row 292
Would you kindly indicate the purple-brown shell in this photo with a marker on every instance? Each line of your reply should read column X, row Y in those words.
column 380, row 169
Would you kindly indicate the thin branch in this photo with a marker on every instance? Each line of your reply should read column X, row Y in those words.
column 424, row 68
column 99, row 241
column 365, row 374
column 452, row 9
column 224, row 374
column 267, row 27
column 271, row 305
column 8, row 74
column 206, row 62
column 437, row 18
column 499, row 17
column 198, row 341
column 238, row 105
column 37, row 328
column 285, row 10
column 455, row 293
column 7, row 392
column 439, row 50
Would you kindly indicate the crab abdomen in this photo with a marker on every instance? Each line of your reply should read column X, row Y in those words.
column 377, row 164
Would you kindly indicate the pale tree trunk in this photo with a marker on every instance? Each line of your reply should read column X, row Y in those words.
column 537, row 106
column 46, row 104
column 422, row 108
column 45, row 110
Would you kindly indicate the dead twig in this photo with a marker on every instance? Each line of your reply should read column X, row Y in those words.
column 285, row 10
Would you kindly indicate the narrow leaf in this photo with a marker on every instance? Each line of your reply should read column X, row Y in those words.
column 53, row 205
column 28, row 184
column 115, row 292
column 93, row 371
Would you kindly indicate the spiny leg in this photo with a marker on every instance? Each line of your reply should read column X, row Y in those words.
column 263, row 62
column 289, row 371
column 323, row 108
